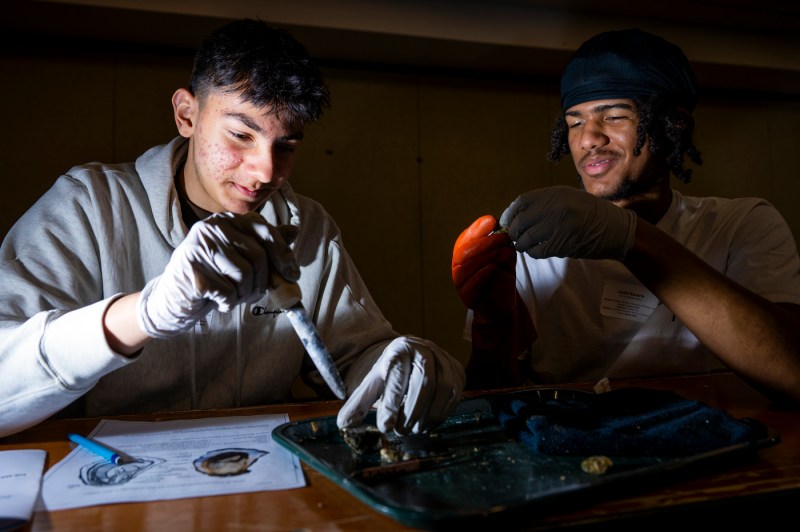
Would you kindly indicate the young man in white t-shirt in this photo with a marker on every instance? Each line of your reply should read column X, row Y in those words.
column 625, row 276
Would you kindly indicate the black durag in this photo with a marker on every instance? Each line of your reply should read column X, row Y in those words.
column 628, row 64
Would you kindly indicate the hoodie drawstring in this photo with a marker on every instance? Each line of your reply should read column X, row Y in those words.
column 192, row 368
column 239, row 354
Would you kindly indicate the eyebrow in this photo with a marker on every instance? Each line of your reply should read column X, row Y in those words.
column 249, row 122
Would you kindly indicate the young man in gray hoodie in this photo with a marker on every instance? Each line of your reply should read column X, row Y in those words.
column 146, row 286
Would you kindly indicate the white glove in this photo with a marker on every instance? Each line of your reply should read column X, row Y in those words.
column 416, row 384
column 223, row 261
column 564, row 221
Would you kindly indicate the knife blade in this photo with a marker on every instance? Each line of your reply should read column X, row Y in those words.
column 410, row 465
column 287, row 296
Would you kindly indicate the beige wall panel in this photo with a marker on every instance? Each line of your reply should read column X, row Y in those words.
column 744, row 147
column 360, row 162
column 142, row 101
column 483, row 144
column 57, row 113
column 733, row 140
column 782, row 148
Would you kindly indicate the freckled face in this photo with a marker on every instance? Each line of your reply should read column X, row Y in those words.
column 238, row 154
column 602, row 136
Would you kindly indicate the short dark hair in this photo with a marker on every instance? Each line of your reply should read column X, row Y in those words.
column 266, row 65
column 669, row 128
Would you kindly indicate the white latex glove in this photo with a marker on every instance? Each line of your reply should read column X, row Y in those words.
column 564, row 221
column 223, row 261
column 416, row 383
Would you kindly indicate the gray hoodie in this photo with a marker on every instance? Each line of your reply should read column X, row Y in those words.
column 105, row 230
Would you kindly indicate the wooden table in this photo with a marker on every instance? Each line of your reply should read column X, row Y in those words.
column 763, row 491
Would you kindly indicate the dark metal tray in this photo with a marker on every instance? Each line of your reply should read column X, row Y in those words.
column 469, row 467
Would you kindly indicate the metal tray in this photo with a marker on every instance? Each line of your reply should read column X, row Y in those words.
column 469, row 467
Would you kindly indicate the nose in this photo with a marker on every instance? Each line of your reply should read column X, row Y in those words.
column 260, row 165
column 593, row 135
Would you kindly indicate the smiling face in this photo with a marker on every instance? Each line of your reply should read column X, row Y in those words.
column 239, row 154
column 602, row 136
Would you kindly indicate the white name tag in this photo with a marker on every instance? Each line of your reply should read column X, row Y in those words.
column 627, row 301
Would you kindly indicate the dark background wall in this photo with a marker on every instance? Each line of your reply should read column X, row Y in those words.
column 441, row 111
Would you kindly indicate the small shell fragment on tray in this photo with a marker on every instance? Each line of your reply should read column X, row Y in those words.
column 367, row 439
column 596, row 465
column 363, row 439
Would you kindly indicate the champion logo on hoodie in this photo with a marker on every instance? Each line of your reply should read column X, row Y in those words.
column 258, row 310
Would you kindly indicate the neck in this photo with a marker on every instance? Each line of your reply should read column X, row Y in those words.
column 650, row 206
column 190, row 212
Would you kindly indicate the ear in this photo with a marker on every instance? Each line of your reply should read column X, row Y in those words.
column 185, row 108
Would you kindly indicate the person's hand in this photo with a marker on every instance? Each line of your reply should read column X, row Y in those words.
column 223, row 261
column 416, row 384
column 483, row 268
column 564, row 221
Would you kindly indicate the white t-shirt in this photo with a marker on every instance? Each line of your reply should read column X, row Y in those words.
column 595, row 319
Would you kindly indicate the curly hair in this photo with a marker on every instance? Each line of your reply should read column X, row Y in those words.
column 668, row 129
column 266, row 65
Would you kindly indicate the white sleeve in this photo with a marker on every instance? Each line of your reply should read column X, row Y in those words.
column 763, row 255
column 49, row 361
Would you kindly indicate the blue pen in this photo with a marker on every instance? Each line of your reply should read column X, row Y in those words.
column 101, row 450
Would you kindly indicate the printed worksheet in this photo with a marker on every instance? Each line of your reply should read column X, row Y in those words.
column 174, row 460
column 20, row 478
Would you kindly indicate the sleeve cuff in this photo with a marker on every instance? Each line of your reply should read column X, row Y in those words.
column 75, row 347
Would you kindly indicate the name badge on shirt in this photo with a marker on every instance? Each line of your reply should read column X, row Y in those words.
column 627, row 301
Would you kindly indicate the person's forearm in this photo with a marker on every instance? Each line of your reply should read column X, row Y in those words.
column 122, row 328
column 754, row 337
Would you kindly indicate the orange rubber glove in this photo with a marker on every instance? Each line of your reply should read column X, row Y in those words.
column 484, row 276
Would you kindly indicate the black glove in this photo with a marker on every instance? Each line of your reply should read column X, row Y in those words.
column 564, row 221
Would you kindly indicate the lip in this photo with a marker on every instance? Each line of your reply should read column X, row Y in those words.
column 597, row 165
column 249, row 193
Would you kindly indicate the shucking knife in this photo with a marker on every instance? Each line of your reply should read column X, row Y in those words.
column 287, row 296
